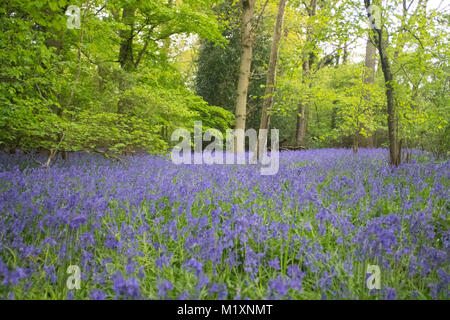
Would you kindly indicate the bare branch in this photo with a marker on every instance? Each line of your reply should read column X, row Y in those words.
column 255, row 27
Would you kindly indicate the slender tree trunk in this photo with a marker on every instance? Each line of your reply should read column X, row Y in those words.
column 271, row 74
column 394, row 150
column 369, row 78
column 345, row 54
column 302, row 116
column 126, row 45
column 369, row 62
column 394, row 145
column 355, row 143
column 126, row 56
column 244, row 72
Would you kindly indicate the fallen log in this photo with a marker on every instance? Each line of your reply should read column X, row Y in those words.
column 289, row 148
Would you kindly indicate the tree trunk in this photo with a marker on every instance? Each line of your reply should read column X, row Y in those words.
column 345, row 54
column 126, row 45
column 394, row 151
column 271, row 73
column 302, row 122
column 126, row 56
column 355, row 143
column 244, row 72
column 302, row 116
column 369, row 78
column 394, row 146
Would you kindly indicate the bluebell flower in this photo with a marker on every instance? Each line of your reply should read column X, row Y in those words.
column 96, row 294
column 163, row 287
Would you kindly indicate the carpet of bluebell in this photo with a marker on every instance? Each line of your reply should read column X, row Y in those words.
column 145, row 228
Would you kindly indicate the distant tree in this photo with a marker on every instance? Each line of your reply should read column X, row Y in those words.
column 271, row 73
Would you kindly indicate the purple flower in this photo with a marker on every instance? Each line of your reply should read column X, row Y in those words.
column 111, row 242
column 183, row 295
column 130, row 267
column 163, row 260
column 214, row 288
column 17, row 275
column 141, row 273
column 223, row 294
column 129, row 288
column 119, row 283
column 278, row 287
column 87, row 239
column 203, row 280
column 275, row 263
column 163, row 287
column 96, row 294
column 390, row 293
column 50, row 273
column 133, row 288
column 194, row 264
column 78, row 221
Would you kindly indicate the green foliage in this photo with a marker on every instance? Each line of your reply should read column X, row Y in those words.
column 218, row 66
column 122, row 82
column 60, row 88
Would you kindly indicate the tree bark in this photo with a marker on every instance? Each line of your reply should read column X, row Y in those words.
column 369, row 78
column 271, row 73
column 345, row 54
column 302, row 116
column 369, row 62
column 355, row 143
column 126, row 55
column 244, row 71
column 126, row 45
column 380, row 43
